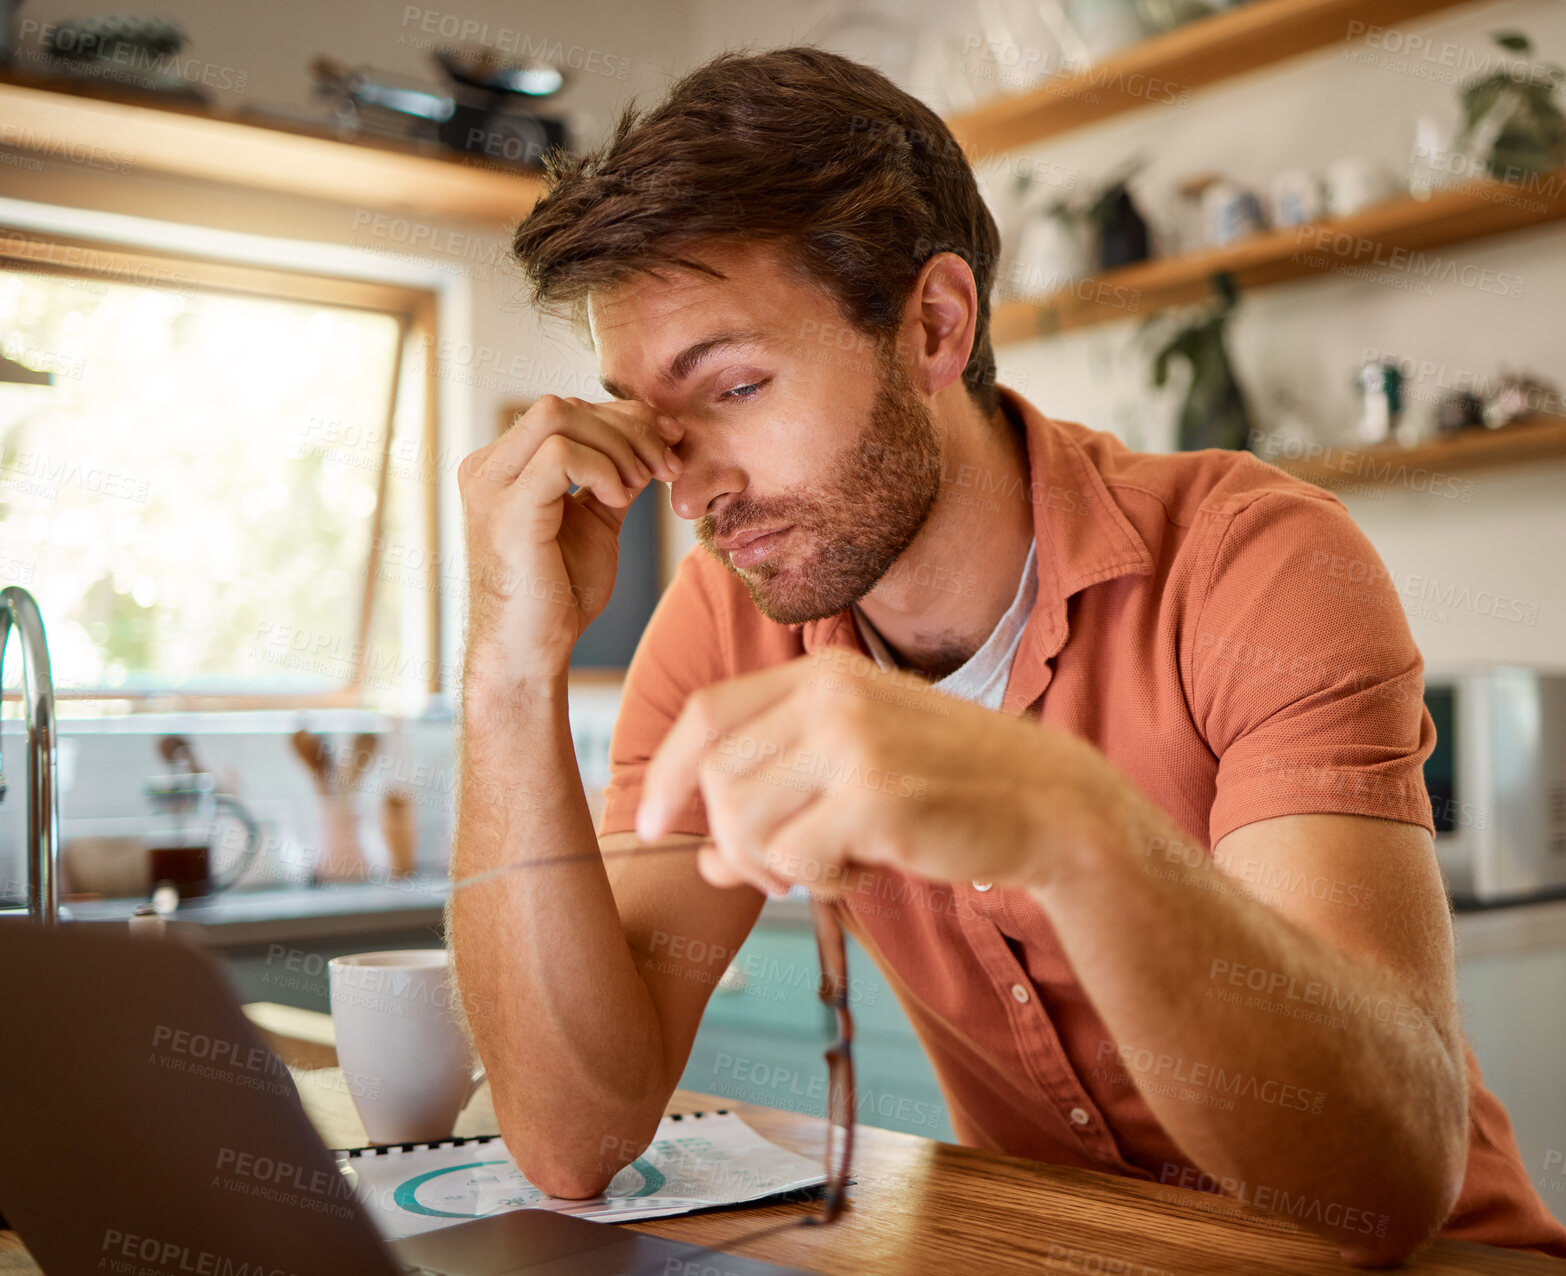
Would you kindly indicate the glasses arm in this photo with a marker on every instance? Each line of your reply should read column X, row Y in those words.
column 832, row 947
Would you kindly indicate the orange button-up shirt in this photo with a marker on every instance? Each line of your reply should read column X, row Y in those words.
column 1230, row 640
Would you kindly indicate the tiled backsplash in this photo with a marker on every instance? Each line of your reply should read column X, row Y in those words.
column 105, row 762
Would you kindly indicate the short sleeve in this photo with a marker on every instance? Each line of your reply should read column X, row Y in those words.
column 680, row 652
column 1304, row 678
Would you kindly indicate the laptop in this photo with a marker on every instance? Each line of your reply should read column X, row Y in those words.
column 145, row 1127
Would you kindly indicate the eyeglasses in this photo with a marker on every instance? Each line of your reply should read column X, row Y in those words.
column 832, row 952
column 841, row 1104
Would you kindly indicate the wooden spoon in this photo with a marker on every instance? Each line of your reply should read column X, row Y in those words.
column 313, row 753
column 364, row 751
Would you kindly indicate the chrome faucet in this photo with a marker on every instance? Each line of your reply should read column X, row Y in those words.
column 43, row 799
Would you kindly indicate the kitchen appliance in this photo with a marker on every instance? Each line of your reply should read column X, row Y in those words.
column 1497, row 780
column 132, row 52
column 182, row 833
column 476, row 116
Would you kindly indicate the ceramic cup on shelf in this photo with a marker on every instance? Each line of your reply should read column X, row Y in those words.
column 1354, row 184
column 406, row 1061
column 1053, row 249
column 1107, row 26
column 1230, row 213
column 1296, row 197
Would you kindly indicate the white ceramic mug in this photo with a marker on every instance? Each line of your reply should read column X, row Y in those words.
column 407, row 1064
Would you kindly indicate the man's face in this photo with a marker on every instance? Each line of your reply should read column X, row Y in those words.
column 799, row 427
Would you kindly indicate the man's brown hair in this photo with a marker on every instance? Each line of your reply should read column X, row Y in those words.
column 857, row 182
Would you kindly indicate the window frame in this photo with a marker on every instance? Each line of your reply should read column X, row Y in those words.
column 413, row 307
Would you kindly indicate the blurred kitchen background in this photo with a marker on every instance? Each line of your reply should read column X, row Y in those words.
column 255, row 307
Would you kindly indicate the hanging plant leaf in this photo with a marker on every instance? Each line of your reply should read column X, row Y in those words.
column 1520, row 152
column 1524, row 128
column 1161, row 365
column 1213, row 411
column 1480, row 96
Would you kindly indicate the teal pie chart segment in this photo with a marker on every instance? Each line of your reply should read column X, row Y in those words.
column 407, row 1194
column 652, row 1181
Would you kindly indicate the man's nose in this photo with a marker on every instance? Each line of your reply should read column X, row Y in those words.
column 690, row 495
column 703, row 481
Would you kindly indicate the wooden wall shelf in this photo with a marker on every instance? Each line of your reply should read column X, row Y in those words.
column 1538, row 439
column 1385, row 240
column 1159, row 70
column 193, row 143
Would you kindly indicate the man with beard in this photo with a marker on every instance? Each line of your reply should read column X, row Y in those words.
column 876, row 498
column 1112, row 762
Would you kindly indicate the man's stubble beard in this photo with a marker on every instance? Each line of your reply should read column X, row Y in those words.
column 878, row 497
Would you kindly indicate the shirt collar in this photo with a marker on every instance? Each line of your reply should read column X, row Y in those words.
column 1082, row 536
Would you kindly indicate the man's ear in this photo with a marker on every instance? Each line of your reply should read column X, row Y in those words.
column 939, row 322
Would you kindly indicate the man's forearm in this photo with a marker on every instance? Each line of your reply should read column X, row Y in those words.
column 1357, row 1114
column 562, row 1020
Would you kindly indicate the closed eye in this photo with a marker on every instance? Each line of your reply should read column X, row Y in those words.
column 743, row 391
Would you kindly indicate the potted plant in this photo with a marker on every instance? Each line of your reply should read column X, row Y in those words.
column 1511, row 123
column 1214, row 412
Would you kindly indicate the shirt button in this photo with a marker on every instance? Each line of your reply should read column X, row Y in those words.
column 1019, row 992
column 982, row 886
column 1079, row 1116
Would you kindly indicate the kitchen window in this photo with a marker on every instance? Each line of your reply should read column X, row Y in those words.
column 226, row 497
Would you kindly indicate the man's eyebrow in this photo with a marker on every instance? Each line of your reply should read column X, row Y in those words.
column 689, row 358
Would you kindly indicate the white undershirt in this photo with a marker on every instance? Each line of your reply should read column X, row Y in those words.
column 982, row 678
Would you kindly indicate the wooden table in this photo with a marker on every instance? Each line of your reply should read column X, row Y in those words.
column 922, row 1206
